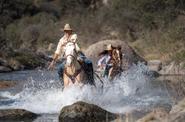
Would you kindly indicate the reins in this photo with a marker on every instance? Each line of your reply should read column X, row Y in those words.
column 77, row 72
column 73, row 77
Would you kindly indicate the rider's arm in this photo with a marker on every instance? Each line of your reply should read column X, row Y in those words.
column 101, row 61
column 59, row 49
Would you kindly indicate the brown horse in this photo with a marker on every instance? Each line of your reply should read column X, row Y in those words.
column 73, row 72
column 116, row 61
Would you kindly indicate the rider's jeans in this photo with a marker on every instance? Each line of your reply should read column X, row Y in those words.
column 107, row 68
column 60, row 70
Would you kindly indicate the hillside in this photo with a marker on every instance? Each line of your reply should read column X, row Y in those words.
column 154, row 28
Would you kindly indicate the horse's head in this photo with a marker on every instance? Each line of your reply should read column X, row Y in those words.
column 70, row 53
column 117, row 55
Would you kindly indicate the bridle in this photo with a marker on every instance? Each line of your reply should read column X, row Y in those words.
column 70, row 55
column 77, row 72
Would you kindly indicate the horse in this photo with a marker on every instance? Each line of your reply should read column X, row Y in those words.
column 73, row 71
column 116, row 61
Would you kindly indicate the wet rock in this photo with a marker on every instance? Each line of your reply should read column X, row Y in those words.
column 15, row 65
column 173, row 69
column 157, row 115
column 84, row 112
column 16, row 114
column 154, row 65
column 5, row 69
column 177, row 113
column 180, row 107
column 29, row 59
column 129, row 55
column 5, row 84
column 24, row 59
column 177, row 117
column 3, row 62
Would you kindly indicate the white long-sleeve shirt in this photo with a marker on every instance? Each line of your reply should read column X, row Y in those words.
column 104, row 60
column 63, row 41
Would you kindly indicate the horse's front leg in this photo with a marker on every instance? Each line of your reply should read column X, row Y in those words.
column 66, row 81
column 78, row 79
column 110, row 73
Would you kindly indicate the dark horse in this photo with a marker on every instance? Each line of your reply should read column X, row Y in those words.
column 116, row 61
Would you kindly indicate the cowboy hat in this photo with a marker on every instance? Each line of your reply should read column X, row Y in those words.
column 109, row 47
column 67, row 27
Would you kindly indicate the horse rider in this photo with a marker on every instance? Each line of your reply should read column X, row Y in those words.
column 104, row 63
column 70, row 37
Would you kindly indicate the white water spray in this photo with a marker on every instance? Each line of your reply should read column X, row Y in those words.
column 132, row 90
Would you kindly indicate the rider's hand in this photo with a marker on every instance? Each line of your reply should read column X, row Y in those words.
column 51, row 66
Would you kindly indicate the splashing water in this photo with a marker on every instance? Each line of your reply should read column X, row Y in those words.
column 132, row 90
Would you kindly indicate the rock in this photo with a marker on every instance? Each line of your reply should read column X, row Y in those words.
column 84, row 112
column 154, row 65
column 178, row 117
column 3, row 62
column 177, row 113
column 153, row 73
column 5, row 69
column 173, row 69
column 157, row 115
column 129, row 55
column 25, row 59
column 22, row 59
column 16, row 114
column 180, row 107
column 15, row 65
column 6, row 84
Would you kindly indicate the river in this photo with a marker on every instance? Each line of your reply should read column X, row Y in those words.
column 40, row 91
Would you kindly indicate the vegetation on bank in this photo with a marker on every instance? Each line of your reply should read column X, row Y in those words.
column 155, row 28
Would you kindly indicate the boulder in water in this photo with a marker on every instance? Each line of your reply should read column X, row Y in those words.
column 129, row 55
column 16, row 114
column 84, row 112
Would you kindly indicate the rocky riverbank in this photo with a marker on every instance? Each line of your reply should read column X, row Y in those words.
column 14, row 60
column 176, row 114
column 172, row 68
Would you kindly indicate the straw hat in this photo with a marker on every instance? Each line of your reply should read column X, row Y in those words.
column 67, row 27
column 109, row 47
